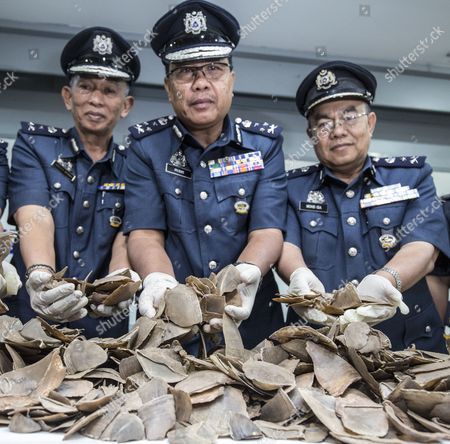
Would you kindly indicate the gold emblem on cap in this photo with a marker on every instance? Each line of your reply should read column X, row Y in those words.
column 102, row 44
column 325, row 79
column 194, row 22
column 387, row 241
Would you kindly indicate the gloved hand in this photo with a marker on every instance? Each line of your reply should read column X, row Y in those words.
column 62, row 303
column 303, row 280
column 377, row 289
column 250, row 276
column 13, row 283
column 155, row 286
column 103, row 310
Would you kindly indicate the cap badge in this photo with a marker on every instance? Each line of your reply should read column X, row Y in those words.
column 195, row 22
column 102, row 44
column 325, row 80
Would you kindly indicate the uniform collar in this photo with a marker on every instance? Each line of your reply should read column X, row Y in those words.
column 231, row 133
column 74, row 147
column 368, row 172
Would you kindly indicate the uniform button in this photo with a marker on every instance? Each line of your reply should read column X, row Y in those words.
column 203, row 164
column 427, row 329
column 351, row 221
column 90, row 179
column 352, row 251
column 207, row 229
column 203, row 195
column 76, row 254
column 177, row 191
column 313, row 223
column 80, row 230
column 241, row 192
column 86, row 204
column 350, row 194
column 118, row 205
column 212, row 265
column 355, row 282
column 386, row 221
column 417, row 308
column 56, row 185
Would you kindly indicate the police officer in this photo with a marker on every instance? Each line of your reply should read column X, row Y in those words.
column 204, row 191
column 439, row 279
column 352, row 217
column 67, row 186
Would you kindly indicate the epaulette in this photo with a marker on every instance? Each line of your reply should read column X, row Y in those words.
column 265, row 129
column 43, row 130
column 401, row 161
column 303, row 171
column 143, row 129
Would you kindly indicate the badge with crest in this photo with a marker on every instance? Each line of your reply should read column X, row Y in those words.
column 325, row 80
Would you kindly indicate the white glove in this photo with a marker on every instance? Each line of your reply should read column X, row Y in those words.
column 155, row 287
column 13, row 283
column 112, row 310
column 303, row 280
column 250, row 276
column 62, row 303
column 379, row 288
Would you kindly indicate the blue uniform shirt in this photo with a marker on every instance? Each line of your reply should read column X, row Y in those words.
column 204, row 231
column 341, row 242
column 4, row 173
column 207, row 219
column 50, row 168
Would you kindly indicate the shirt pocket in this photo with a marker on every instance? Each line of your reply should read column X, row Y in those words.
column 231, row 192
column 382, row 220
column 180, row 209
column 319, row 239
column 62, row 195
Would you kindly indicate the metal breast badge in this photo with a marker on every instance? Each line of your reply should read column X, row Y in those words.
column 178, row 165
column 314, row 202
column 65, row 166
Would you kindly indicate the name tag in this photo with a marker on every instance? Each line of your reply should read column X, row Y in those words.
column 178, row 171
column 308, row 206
column 241, row 163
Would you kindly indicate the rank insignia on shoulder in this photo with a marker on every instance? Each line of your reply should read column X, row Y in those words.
column 240, row 163
column 43, row 130
column 303, row 171
column 65, row 166
column 143, row 129
column 401, row 161
column 266, row 129
column 112, row 186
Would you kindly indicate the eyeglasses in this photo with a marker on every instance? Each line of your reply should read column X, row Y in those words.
column 347, row 119
column 212, row 71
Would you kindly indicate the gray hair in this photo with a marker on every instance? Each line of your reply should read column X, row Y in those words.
column 76, row 78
